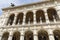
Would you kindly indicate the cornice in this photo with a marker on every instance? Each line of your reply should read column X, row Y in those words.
column 25, row 5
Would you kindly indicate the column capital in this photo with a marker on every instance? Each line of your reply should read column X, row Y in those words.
column 50, row 32
column 25, row 12
column 35, row 32
column 22, row 32
column 16, row 14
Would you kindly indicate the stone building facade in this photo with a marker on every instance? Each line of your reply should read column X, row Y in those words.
column 36, row 21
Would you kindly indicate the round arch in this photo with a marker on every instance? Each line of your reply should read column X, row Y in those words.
column 19, row 18
column 11, row 19
column 40, row 16
column 29, row 17
column 56, row 34
column 52, row 14
column 28, row 35
column 5, row 36
column 43, row 35
column 16, row 35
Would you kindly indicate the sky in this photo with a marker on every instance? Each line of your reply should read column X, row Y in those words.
column 7, row 3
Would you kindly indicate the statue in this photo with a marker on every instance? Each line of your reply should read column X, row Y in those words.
column 12, row 5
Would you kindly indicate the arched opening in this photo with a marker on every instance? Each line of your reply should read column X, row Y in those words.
column 28, row 35
column 19, row 19
column 29, row 17
column 52, row 14
column 5, row 36
column 11, row 19
column 16, row 36
column 42, row 35
column 56, row 34
column 40, row 16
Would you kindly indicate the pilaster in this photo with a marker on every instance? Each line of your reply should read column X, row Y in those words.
column 46, row 16
column 34, row 16
column 15, row 18
column 24, row 17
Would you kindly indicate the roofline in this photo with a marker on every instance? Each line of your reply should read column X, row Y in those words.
column 25, row 5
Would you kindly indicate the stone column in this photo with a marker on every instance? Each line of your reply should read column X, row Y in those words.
column 34, row 12
column 24, row 16
column 10, row 37
column 50, row 33
column 35, row 35
column 15, row 19
column 51, row 37
column 22, row 35
column 0, row 37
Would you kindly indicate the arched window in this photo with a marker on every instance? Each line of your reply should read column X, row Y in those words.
column 5, row 36
column 52, row 14
column 29, row 17
column 40, row 16
column 42, row 35
column 19, row 18
column 16, row 36
column 28, row 35
column 11, row 19
column 56, row 34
